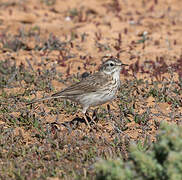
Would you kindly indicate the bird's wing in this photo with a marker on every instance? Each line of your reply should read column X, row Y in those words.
column 90, row 84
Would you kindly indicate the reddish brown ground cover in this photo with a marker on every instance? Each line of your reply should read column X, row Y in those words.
column 46, row 45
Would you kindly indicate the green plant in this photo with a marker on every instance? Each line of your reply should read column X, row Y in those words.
column 162, row 161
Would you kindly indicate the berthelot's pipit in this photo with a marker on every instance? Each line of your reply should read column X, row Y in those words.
column 95, row 89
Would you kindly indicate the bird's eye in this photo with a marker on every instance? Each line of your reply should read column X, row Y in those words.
column 111, row 64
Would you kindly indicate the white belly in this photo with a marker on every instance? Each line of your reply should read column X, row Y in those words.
column 94, row 99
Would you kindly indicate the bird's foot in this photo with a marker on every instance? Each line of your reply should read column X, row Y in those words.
column 86, row 117
column 90, row 120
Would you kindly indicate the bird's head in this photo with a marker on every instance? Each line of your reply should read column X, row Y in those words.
column 112, row 65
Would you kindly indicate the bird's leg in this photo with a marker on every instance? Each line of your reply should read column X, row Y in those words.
column 84, row 111
column 94, row 115
column 85, row 117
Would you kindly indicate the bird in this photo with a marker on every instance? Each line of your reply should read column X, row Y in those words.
column 95, row 89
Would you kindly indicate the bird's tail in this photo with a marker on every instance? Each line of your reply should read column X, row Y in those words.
column 43, row 99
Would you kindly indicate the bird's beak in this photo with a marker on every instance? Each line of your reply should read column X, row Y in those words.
column 121, row 64
column 124, row 65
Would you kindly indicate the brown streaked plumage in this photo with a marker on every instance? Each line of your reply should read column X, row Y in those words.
column 95, row 89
